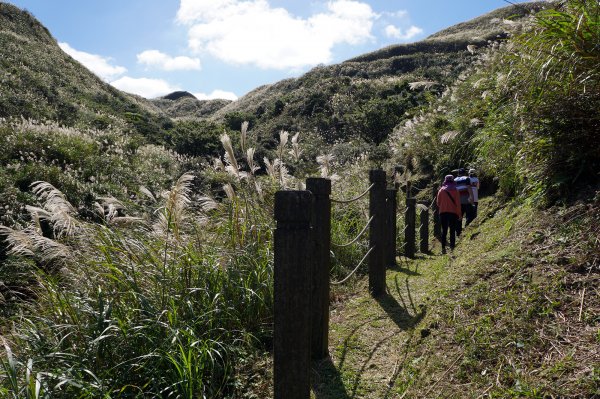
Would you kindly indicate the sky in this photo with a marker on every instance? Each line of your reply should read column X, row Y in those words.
column 226, row 48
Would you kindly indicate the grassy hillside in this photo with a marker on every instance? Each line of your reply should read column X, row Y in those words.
column 338, row 101
column 41, row 82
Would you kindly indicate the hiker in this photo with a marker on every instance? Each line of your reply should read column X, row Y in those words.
column 448, row 203
column 463, row 185
column 475, row 191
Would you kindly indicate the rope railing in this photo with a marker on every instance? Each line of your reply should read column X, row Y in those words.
column 352, row 199
column 355, row 269
column 357, row 237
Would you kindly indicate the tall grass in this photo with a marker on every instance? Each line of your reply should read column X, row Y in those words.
column 159, row 306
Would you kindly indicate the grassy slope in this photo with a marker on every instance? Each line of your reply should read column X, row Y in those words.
column 41, row 82
column 441, row 56
column 503, row 318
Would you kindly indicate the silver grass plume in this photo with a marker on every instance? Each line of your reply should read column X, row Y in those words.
column 283, row 139
column 207, row 204
column 250, row 159
column 232, row 166
column 30, row 243
column 109, row 208
column 56, row 209
column 147, row 193
column 295, row 152
column 259, row 190
column 176, row 205
column 228, row 188
column 449, row 136
column 270, row 167
column 284, row 174
column 324, row 162
column 244, row 135
column 424, row 84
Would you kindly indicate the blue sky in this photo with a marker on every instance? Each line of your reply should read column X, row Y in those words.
column 226, row 48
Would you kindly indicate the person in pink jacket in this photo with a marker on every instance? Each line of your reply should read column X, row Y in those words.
column 448, row 203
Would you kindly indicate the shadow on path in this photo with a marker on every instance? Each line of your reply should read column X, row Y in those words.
column 327, row 381
column 399, row 314
column 404, row 270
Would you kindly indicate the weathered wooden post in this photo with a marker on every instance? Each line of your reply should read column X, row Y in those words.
column 437, row 228
column 321, row 225
column 424, row 229
column 410, row 220
column 391, row 209
column 377, row 232
column 291, row 331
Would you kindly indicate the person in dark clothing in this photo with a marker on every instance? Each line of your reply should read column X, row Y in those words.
column 475, row 191
column 448, row 203
column 463, row 185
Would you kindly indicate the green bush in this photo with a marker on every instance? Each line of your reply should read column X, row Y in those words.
column 196, row 138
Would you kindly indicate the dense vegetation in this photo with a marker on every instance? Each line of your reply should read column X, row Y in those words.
column 136, row 258
column 528, row 116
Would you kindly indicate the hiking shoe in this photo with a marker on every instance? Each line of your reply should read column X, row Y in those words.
column 443, row 251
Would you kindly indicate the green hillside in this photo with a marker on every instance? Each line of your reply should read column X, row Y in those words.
column 136, row 236
column 41, row 82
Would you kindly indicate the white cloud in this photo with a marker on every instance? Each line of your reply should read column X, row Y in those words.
column 396, row 33
column 252, row 32
column 145, row 87
column 216, row 94
column 99, row 65
column 163, row 61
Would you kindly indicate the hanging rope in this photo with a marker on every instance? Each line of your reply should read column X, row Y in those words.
column 357, row 237
column 355, row 269
column 353, row 199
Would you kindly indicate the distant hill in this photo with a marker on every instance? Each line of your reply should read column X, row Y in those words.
column 176, row 95
column 185, row 104
column 41, row 82
column 340, row 101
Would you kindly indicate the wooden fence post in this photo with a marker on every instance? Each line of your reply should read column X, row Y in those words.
column 293, row 247
column 392, row 208
column 321, row 224
column 377, row 232
column 437, row 228
column 409, row 223
column 424, row 230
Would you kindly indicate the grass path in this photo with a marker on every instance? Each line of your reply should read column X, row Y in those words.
column 371, row 337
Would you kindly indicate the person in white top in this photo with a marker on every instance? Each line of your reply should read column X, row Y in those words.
column 475, row 191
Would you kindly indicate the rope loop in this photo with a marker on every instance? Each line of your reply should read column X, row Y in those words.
column 357, row 237
column 355, row 269
column 353, row 199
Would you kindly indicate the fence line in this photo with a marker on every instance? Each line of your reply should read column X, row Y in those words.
column 302, row 247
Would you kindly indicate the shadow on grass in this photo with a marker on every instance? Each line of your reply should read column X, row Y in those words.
column 398, row 313
column 327, row 382
column 405, row 270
